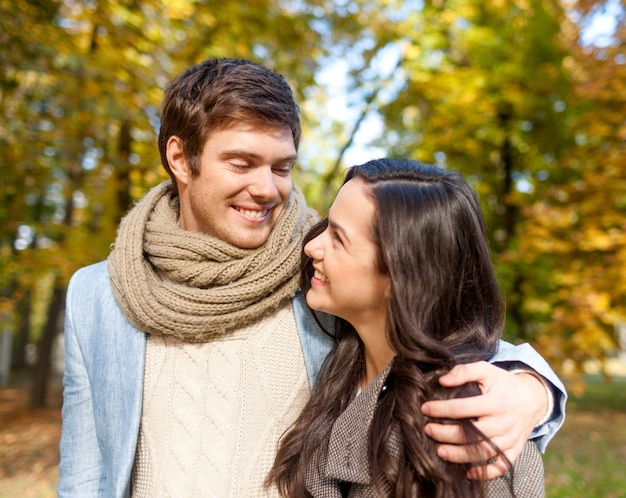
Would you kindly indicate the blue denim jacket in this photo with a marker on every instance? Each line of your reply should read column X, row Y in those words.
column 103, row 385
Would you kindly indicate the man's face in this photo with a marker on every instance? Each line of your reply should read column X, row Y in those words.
column 242, row 187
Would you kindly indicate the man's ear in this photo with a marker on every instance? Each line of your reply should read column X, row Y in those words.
column 177, row 160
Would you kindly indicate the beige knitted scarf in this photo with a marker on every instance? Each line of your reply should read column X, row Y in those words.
column 193, row 286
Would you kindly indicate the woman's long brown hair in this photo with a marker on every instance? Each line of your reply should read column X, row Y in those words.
column 445, row 308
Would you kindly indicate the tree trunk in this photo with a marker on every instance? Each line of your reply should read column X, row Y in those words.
column 122, row 171
column 42, row 368
column 510, row 216
column 24, row 308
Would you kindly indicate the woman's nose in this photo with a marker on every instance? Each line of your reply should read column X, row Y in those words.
column 313, row 248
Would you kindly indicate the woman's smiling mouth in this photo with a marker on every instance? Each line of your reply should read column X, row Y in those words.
column 320, row 276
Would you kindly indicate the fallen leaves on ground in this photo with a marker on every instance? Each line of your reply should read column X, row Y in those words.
column 29, row 442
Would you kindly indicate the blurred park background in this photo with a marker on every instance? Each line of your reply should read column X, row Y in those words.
column 526, row 98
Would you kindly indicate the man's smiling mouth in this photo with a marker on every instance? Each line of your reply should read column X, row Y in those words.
column 253, row 213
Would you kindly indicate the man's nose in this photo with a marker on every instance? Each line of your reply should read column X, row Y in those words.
column 263, row 184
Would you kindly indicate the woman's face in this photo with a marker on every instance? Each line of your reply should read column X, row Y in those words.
column 347, row 282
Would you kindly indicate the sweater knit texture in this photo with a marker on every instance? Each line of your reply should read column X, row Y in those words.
column 213, row 412
column 224, row 374
column 195, row 287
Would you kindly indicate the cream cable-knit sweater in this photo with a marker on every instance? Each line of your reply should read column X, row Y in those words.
column 213, row 412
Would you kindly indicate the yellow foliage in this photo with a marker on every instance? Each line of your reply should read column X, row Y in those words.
column 503, row 88
column 411, row 52
column 179, row 9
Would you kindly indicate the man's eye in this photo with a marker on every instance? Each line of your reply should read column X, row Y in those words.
column 241, row 166
column 282, row 170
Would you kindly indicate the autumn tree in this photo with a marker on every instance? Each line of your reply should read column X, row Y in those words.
column 577, row 229
column 503, row 92
column 81, row 93
column 506, row 93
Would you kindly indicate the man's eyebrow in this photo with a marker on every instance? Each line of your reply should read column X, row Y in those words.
column 253, row 155
column 338, row 228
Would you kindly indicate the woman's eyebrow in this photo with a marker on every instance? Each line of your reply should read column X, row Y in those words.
column 338, row 228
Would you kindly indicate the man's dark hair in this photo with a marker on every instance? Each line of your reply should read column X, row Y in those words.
column 218, row 93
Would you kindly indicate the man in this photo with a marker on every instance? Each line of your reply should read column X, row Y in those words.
column 190, row 351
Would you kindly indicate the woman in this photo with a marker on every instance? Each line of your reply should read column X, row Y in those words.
column 402, row 261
